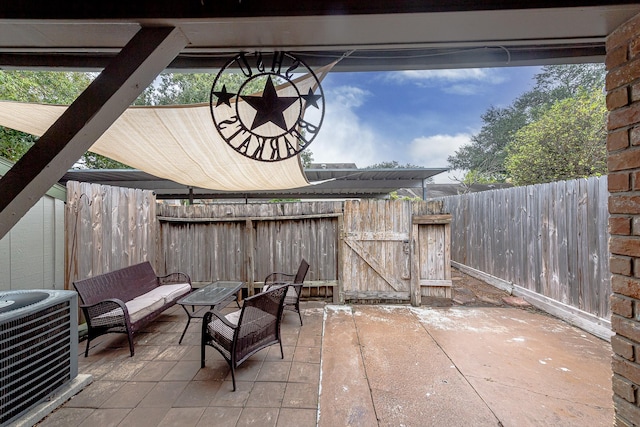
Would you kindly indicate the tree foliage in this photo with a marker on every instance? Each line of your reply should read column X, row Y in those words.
column 192, row 88
column 486, row 158
column 567, row 141
column 394, row 196
column 559, row 82
column 45, row 87
column 40, row 87
column 486, row 154
column 307, row 158
column 393, row 164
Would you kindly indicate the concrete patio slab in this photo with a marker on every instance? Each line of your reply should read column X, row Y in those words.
column 464, row 366
column 345, row 397
column 530, row 368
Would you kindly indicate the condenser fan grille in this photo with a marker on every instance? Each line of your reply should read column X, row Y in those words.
column 38, row 355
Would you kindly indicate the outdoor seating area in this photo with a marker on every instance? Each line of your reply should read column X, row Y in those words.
column 480, row 366
column 125, row 300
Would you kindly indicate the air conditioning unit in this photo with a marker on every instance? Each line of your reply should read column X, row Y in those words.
column 38, row 348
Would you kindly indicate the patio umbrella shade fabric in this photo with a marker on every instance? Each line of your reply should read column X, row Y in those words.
column 179, row 143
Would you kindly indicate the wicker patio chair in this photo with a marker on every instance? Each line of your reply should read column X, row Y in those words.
column 292, row 299
column 242, row 333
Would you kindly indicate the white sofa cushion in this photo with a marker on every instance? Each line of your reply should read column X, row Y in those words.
column 167, row 293
column 140, row 307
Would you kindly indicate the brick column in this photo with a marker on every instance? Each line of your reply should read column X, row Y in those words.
column 623, row 146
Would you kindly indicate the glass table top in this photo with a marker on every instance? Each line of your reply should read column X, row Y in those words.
column 212, row 293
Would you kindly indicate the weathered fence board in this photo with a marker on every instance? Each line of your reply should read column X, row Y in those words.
column 377, row 251
column 549, row 238
column 107, row 228
column 248, row 241
column 431, row 239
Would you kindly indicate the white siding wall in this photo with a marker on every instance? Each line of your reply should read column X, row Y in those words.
column 32, row 253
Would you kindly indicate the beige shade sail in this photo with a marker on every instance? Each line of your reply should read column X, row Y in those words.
column 179, row 143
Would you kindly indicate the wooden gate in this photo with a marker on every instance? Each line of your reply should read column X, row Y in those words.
column 431, row 257
column 376, row 251
column 394, row 250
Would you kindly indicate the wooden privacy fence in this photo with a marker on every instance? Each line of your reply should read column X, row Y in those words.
column 358, row 250
column 107, row 228
column 248, row 241
column 361, row 249
column 549, row 239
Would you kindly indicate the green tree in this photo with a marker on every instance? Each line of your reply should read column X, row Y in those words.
column 393, row 164
column 191, row 88
column 46, row 87
column 485, row 158
column 63, row 88
column 557, row 82
column 394, row 196
column 13, row 143
column 307, row 158
column 31, row 86
column 567, row 141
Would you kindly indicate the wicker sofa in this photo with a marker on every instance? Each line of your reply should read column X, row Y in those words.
column 125, row 300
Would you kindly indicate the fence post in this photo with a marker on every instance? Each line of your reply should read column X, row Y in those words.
column 338, row 292
column 249, row 258
column 414, row 291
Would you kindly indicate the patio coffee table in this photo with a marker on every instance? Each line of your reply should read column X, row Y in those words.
column 210, row 295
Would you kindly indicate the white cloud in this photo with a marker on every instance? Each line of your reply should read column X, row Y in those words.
column 432, row 152
column 464, row 89
column 467, row 81
column 474, row 74
column 344, row 137
column 349, row 96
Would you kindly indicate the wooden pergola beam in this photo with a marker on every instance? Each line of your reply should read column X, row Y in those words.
column 146, row 55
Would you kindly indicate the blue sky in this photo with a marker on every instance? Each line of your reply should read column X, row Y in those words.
column 417, row 117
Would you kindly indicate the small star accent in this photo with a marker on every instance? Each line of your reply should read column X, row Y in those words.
column 224, row 97
column 311, row 99
column 269, row 107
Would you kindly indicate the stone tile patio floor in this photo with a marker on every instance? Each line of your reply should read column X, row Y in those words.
column 163, row 385
column 357, row 366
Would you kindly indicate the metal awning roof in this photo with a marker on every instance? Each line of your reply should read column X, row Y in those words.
column 73, row 34
column 325, row 183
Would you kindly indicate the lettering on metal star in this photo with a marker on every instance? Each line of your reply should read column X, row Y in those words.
column 269, row 107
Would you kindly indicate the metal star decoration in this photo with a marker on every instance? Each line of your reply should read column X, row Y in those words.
column 268, row 125
column 269, row 107
column 311, row 99
column 224, row 97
